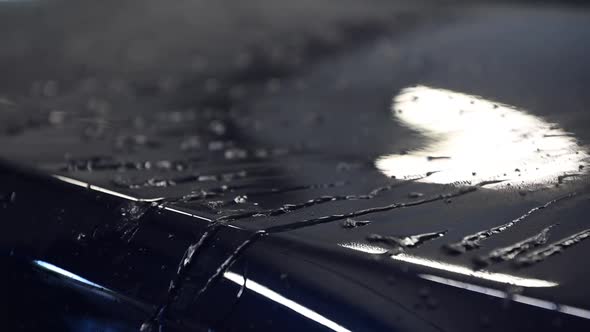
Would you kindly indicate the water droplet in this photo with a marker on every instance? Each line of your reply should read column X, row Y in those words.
column 133, row 211
column 148, row 327
column 217, row 127
column 415, row 195
column 241, row 199
column 411, row 241
column 191, row 143
column 261, row 153
column 351, row 223
column 235, row 153
column 553, row 248
column 215, row 204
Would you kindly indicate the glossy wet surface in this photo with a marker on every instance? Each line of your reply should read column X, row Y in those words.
column 389, row 167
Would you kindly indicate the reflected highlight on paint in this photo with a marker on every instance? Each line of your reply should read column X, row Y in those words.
column 276, row 297
column 470, row 139
column 568, row 310
column 453, row 268
column 67, row 274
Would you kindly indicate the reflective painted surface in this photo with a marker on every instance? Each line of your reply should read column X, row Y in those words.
column 366, row 167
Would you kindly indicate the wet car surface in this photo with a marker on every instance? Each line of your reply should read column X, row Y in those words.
column 373, row 167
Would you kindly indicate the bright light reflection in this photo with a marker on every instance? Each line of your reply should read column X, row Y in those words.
column 103, row 190
column 481, row 274
column 471, row 139
column 66, row 274
column 569, row 310
column 270, row 294
column 127, row 197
